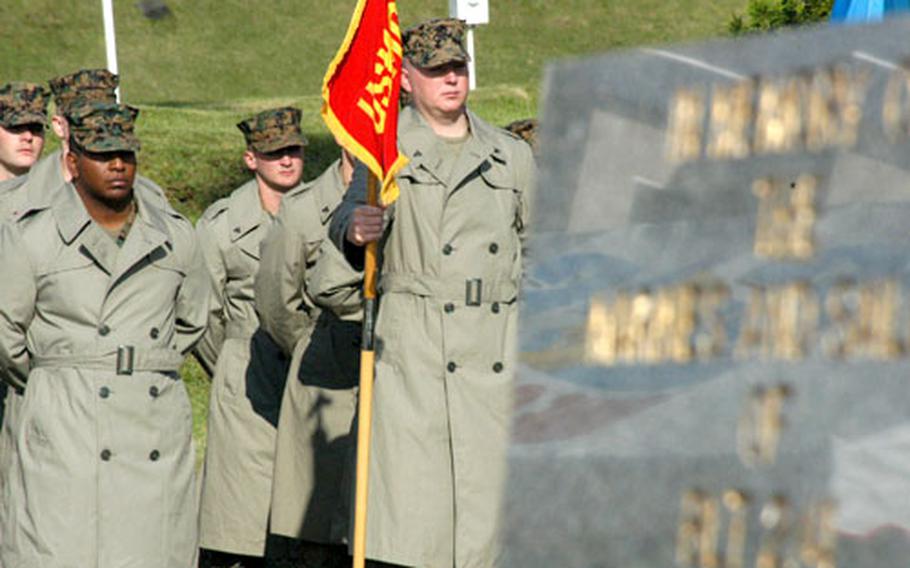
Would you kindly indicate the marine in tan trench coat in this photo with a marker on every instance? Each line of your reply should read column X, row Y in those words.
column 451, row 262
column 45, row 180
column 23, row 117
column 248, row 368
column 94, row 324
column 319, row 400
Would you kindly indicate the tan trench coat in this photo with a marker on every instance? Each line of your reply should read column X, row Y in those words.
column 249, row 372
column 32, row 192
column 444, row 346
column 103, row 472
column 319, row 400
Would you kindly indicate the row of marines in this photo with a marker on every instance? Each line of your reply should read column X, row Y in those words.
column 106, row 288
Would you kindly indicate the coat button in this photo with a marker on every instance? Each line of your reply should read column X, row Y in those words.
column 154, row 455
column 497, row 367
column 105, row 455
column 153, row 391
column 495, row 307
column 104, row 392
column 104, row 330
column 447, row 250
column 154, row 333
column 451, row 366
column 449, row 308
column 494, row 248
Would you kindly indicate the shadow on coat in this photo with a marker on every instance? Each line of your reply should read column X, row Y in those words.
column 330, row 368
column 266, row 376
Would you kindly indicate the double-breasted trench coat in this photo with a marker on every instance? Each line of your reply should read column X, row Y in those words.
column 319, row 400
column 451, row 264
column 28, row 193
column 249, row 372
column 93, row 335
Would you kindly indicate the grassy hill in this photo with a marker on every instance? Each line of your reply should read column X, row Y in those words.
column 213, row 62
column 226, row 50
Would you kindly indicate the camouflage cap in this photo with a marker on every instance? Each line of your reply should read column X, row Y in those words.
column 22, row 103
column 84, row 85
column 436, row 42
column 98, row 126
column 525, row 129
column 273, row 129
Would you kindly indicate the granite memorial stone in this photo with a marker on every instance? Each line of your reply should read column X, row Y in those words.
column 715, row 331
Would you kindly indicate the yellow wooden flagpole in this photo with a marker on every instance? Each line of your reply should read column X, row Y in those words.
column 365, row 399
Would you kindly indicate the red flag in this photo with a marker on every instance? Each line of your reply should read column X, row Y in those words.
column 360, row 91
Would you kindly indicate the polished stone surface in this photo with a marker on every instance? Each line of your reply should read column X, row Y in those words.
column 604, row 452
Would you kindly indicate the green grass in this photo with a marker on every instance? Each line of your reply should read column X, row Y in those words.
column 226, row 50
column 214, row 62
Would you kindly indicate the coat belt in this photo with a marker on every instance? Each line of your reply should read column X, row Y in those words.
column 124, row 361
column 471, row 291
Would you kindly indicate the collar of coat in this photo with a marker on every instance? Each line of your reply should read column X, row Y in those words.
column 44, row 182
column 418, row 141
column 244, row 210
column 72, row 217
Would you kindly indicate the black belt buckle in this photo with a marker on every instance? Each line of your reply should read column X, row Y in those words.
column 473, row 292
column 125, row 356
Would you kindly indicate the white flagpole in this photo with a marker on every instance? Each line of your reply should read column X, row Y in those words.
column 110, row 39
column 472, row 73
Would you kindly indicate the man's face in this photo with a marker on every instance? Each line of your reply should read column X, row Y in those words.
column 280, row 169
column 20, row 147
column 438, row 91
column 106, row 177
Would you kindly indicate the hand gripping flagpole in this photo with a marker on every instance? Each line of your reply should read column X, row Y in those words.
column 365, row 398
column 360, row 107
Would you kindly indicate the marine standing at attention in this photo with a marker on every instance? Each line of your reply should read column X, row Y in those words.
column 318, row 407
column 451, row 254
column 23, row 118
column 103, row 294
column 248, row 368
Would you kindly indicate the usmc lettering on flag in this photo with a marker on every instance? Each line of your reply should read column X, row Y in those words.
column 360, row 92
column 385, row 70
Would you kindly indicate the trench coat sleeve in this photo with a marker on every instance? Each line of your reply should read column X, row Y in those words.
column 355, row 196
column 336, row 285
column 279, row 285
column 210, row 345
column 17, row 306
column 192, row 306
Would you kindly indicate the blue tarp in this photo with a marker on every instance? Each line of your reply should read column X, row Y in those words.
column 850, row 11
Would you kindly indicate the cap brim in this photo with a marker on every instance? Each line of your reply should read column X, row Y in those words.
column 280, row 143
column 107, row 145
column 23, row 118
column 442, row 61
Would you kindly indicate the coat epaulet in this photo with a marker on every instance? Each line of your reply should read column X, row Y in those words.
column 215, row 209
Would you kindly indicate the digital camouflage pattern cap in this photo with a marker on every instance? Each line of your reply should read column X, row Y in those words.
column 84, row 85
column 22, row 103
column 98, row 126
column 273, row 129
column 436, row 42
column 525, row 129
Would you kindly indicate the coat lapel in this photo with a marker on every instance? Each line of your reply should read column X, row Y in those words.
column 245, row 216
column 148, row 233
column 73, row 220
column 417, row 141
column 478, row 149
